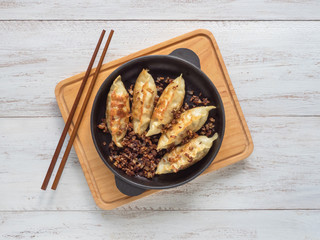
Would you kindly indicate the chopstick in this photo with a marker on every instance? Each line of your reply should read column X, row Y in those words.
column 70, row 117
column 83, row 108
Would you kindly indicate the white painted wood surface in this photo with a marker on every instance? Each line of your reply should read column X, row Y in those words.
column 136, row 224
column 267, row 61
column 160, row 10
column 275, row 69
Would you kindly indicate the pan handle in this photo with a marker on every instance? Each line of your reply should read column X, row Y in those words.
column 127, row 188
column 188, row 55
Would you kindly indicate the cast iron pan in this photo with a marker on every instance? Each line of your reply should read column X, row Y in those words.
column 183, row 61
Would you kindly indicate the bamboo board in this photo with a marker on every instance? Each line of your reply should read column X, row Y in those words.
column 237, row 143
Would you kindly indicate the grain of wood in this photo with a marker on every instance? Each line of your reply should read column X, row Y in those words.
column 271, row 64
column 282, row 172
column 160, row 10
column 246, row 225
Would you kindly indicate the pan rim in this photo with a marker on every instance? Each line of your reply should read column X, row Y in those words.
column 190, row 66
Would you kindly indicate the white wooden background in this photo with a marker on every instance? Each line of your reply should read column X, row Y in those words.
column 272, row 52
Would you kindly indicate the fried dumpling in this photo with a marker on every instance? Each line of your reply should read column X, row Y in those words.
column 192, row 119
column 144, row 93
column 170, row 100
column 186, row 155
column 117, row 111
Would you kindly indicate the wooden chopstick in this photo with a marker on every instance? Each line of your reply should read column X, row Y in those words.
column 83, row 108
column 70, row 117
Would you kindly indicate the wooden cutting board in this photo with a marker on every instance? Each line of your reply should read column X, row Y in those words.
column 237, row 143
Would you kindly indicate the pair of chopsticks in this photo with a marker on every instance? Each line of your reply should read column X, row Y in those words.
column 73, row 110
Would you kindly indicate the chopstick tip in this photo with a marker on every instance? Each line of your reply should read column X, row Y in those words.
column 54, row 186
column 111, row 34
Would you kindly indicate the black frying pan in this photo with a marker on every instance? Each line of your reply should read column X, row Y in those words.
column 183, row 61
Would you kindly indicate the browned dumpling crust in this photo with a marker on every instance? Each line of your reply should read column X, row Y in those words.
column 170, row 100
column 186, row 155
column 144, row 93
column 191, row 120
column 117, row 111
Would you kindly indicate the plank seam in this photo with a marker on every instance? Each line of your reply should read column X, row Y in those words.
column 123, row 209
column 159, row 20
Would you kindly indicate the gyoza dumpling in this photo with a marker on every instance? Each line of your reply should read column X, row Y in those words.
column 117, row 111
column 192, row 119
column 186, row 155
column 144, row 94
column 170, row 100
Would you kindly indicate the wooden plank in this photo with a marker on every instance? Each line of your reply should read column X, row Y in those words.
column 135, row 224
column 282, row 172
column 161, row 10
column 271, row 64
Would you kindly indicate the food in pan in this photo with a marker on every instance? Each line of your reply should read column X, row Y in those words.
column 186, row 155
column 186, row 128
column 191, row 120
column 138, row 156
column 170, row 100
column 117, row 111
column 144, row 93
